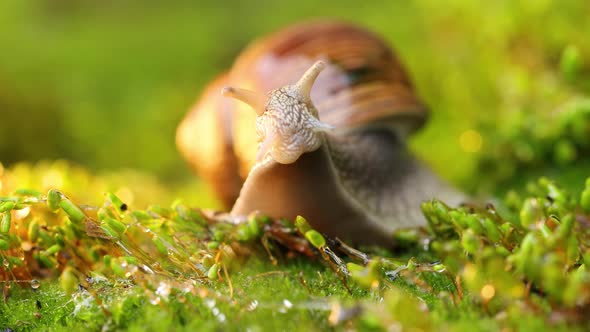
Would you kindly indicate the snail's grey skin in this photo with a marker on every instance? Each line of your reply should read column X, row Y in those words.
column 359, row 185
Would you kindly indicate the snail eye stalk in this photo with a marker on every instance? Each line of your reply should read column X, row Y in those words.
column 305, row 83
column 253, row 99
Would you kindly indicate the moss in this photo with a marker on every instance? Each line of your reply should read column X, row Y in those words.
column 157, row 268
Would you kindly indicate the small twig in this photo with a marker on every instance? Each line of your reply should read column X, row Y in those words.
column 459, row 287
column 303, row 282
column 351, row 252
column 337, row 265
column 231, row 288
column 264, row 241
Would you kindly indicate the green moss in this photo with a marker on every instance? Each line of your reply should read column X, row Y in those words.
column 478, row 265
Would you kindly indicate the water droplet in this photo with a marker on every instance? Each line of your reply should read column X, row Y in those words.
column 210, row 303
column 35, row 284
column 252, row 306
column 287, row 304
column 147, row 269
column 221, row 317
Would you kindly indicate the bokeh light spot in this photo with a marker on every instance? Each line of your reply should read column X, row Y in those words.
column 53, row 179
column 487, row 292
column 470, row 141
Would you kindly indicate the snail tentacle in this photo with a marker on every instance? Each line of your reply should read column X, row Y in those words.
column 253, row 99
column 305, row 83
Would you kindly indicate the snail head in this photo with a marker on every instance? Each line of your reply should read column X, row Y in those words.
column 287, row 123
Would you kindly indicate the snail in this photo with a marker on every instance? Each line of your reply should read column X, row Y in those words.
column 330, row 107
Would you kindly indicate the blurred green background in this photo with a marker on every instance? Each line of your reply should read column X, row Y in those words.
column 104, row 83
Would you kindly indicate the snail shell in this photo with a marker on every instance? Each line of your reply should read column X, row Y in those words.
column 362, row 173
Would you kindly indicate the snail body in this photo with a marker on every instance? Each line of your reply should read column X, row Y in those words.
column 331, row 134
